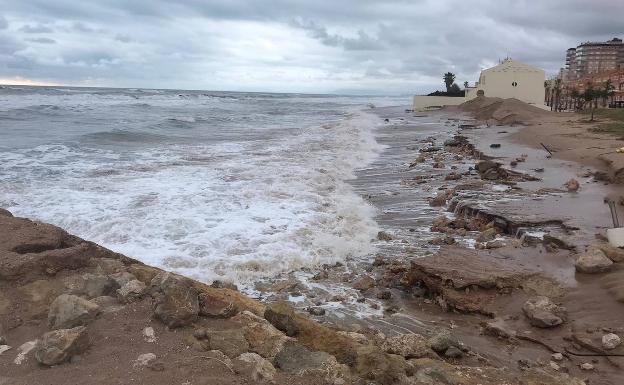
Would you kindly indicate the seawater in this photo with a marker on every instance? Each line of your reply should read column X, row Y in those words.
column 213, row 185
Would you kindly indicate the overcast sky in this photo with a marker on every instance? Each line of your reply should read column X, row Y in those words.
column 355, row 46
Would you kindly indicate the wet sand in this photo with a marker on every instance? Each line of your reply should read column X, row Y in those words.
column 539, row 206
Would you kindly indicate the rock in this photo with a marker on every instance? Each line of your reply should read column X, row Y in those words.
column 96, row 285
column 108, row 265
column 495, row 145
column 487, row 235
column 557, row 356
column 544, row 313
column 613, row 253
column 611, row 341
column 486, row 165
column 254, row 366
column 445, row 240
column 495, row 244
column 438, row 200
column 572, row 185
column 4, row 348
column 378, row 366
column 230, row 342
column 593, row 261
column 262, row 337
column 23, row 351
column 587, row 366
column 438, row 164
column 218, row 284
column 144, row 273
column 61, row 345
column 364, row 283
column 5, row 213
column 316, row 311
column 68, row 311
column 440, row 342
column 131, row 291
column 177, row 301
column 453, row 352
column 295, row 358
column 122, row 278
column 144, row 359
column 407, row 345
column 149, row 335
column 200, row 333
column 107, row 304
column 383, row 236
column 554, row 366
column 214, row 307
column 384, row 294
column 282, row 316
column 498, row 328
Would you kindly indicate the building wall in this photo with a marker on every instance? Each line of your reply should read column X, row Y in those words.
column 513, row 80
column 424, row 103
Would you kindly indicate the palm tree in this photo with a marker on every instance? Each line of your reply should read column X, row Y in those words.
column 449, row 79
column 547, row 92
column 466, row 84
column 557, row 94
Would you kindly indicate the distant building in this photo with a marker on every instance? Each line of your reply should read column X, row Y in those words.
column 510, row 79
column 593, row 57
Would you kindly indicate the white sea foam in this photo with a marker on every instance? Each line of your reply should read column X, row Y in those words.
column 242, row 210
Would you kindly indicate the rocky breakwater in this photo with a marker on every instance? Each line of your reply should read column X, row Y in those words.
column 72, row 309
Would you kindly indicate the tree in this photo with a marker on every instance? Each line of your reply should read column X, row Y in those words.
column 466, row 84
column 455, row 89
column 547, row 92
column 590, row 95
column 449, row 79
column 607, row 92
column 557, row 95
column 575, row 95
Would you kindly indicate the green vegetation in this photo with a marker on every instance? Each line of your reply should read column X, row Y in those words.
column 615, row 126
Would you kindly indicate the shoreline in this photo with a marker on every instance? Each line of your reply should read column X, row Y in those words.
column 411, row 299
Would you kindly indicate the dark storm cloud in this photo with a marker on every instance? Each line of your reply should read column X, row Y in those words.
column 290, row 45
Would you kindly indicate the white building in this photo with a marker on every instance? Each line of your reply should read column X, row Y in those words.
column 510, row 79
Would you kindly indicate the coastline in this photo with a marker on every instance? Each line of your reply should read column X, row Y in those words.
column 418, row 302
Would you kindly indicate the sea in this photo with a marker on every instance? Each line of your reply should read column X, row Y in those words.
column 213, row 185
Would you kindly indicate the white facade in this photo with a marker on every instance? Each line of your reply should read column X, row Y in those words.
column 510, row 79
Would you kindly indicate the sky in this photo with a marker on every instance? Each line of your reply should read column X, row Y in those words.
column 311, row 46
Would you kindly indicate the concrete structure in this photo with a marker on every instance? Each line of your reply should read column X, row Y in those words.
column 424, row 103
column 510, row 79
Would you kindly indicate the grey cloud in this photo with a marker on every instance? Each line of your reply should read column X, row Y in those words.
column 4, row 24
column 37, row 28
column 392, row 45
column 42, row 40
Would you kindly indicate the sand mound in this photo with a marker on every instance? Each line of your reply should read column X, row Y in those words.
column 505, row 111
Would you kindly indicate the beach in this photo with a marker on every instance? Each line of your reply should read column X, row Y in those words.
column 463, row 235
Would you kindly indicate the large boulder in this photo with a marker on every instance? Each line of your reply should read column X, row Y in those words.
column 295, row 358
column 282, row 316
column 216, row 307
column 262, row 337
column 177, row 302
column 407, row 345
column 593, row 261
column 61, row 345
column 364, row 283
column 91, row 285
column 230, row 342
column 442, row 341
column 255, row 367
column 131, row 291
column 615, row 254
column 68, row 311
column 543, row 313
